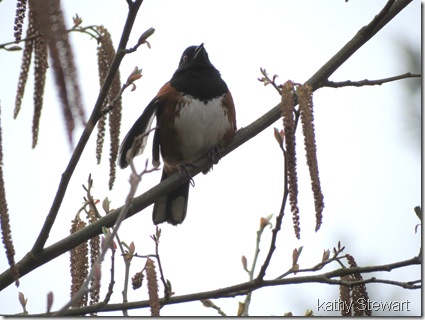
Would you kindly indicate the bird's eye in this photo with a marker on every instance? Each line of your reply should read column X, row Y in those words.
column 185, row 57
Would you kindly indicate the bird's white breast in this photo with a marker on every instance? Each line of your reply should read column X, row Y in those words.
column 201, row 126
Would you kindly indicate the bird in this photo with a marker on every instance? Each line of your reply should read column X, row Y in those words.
column 195, row 115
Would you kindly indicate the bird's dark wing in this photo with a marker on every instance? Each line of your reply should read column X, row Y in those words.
column 140, row 127
column 155, row 150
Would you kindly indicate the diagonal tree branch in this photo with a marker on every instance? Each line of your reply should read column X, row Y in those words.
column 39, row 256
column 94, row 118
column 391, row 9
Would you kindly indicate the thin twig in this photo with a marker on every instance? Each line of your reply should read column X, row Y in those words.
column 142, row 40
column 112, row 104
column 209, row 304
column 317, row 267
column 279, row 218
column 125, row 289
column 35, row 36
column 90, row 200
column 365, row 82
column 112, row 281
column 252, row 269
column 144, row 256
column 127, row 271
column 167, row 292
column 404, row 285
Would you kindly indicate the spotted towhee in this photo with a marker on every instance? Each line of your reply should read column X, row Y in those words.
column 195, row 115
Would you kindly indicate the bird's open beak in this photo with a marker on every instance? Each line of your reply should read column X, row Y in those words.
column 199, row 49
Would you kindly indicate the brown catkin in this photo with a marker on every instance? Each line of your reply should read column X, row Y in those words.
column 305, row 99
column 152, row 288
column 287, row 106
column 105, row 55
column 5, row 221
column 21, row 8
column 79, row 263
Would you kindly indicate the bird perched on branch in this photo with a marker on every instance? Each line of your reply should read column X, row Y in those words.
column 195, row 115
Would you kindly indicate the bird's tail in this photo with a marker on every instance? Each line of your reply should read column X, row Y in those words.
column 172, row 207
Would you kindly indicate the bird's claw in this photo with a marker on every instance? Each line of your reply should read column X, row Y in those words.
column 184, row 171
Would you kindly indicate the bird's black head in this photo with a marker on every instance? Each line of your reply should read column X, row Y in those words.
column 194, row 57
column 196, row 76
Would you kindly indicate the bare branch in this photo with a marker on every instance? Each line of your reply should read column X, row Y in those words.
column 365, row 82
column 243, row 288
column 404, row 285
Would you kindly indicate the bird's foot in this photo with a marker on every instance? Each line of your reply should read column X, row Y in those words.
column 184, row 171
column 214, row 156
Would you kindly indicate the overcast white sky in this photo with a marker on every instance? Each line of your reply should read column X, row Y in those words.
column 367, row 141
